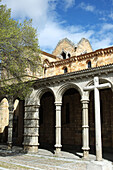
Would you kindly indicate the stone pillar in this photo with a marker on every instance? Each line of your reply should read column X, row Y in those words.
column 58, row 128
column 10, row 127
column 85, row 129
column 31, row 128
column 97, row 122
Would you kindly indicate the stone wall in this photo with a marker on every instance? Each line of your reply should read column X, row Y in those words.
column 63, row 46
column 80, row 63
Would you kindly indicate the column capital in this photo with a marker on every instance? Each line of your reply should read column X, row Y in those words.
column 58, row 103
column 85, row 101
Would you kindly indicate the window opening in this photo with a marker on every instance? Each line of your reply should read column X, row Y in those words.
column 89, row 64
column 69, row 55
column 45, row 70
column 63, row 55
column 65, row 70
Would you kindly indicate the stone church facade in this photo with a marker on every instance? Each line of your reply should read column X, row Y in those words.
column 71, row 104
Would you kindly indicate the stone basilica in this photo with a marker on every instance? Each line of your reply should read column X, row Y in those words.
column 70, row 107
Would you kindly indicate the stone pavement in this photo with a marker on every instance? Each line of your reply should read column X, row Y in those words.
column 45, row 160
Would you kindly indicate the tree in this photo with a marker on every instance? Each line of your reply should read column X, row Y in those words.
column 19, row 50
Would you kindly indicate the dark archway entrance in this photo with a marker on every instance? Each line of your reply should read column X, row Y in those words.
column 106, row 110
column 47, row 122
column 71, row 119
column 18, row 122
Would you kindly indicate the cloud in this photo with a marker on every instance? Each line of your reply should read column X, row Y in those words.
column 68, row 4
column 106, row 28
column 103, row 37
column 52, row 33
column 39, row 10
column 86, row 7
column 51, row 29
column 111, row 15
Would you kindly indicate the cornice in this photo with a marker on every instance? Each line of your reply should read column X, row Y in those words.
column 62, row 62
column 77, row 75
column 90, row 55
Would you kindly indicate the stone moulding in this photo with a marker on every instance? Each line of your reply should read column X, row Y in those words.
column 77, row 75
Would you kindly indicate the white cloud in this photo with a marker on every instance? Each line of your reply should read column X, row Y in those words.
column 51, row 30
column 102, row 43
column 104, row 37
column 106, row 28
column 111, row 15
column 68, row 3
column 86, row 7
column 38, row 10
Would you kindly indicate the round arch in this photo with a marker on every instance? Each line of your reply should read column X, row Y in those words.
column 102, row 80
column 45, row 98
column 64, row 88
column 40, row 93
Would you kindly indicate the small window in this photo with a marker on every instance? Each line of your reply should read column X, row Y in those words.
column 45, row 70
column 65, row 70
column 89, row 64
column 63, row 55
column 69, row 55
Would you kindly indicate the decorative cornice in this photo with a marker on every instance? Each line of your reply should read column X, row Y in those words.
column 74, row 75
column 82, row 57
column 62, row 62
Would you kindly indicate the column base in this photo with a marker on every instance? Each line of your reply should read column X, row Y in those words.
column 58, row 151
column 30, row 149
column 86, row 155
column 85, row 152
column 9, row 146
column 98, row 158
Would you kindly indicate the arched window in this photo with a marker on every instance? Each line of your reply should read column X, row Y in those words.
column 45, row 70
column 63, row 55
column 69, row 55
column 65, row 70
column 89, row 64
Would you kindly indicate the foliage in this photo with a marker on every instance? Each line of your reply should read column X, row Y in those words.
column 18, row 50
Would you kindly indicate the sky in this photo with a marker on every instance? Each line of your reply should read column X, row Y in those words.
column 74, row 19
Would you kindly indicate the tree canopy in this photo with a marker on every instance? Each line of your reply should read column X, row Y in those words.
column 19, row 50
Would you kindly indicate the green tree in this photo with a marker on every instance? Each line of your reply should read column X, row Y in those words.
column 19, row 50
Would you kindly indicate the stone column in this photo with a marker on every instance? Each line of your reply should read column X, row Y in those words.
column 10, row 127
column 97, row 122
column 58, row 128
column 85, row 129
column 31, row 128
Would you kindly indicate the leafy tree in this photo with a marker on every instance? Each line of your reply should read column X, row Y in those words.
column 19, row 50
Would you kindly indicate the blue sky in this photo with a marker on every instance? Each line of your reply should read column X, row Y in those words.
column 74, row 19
